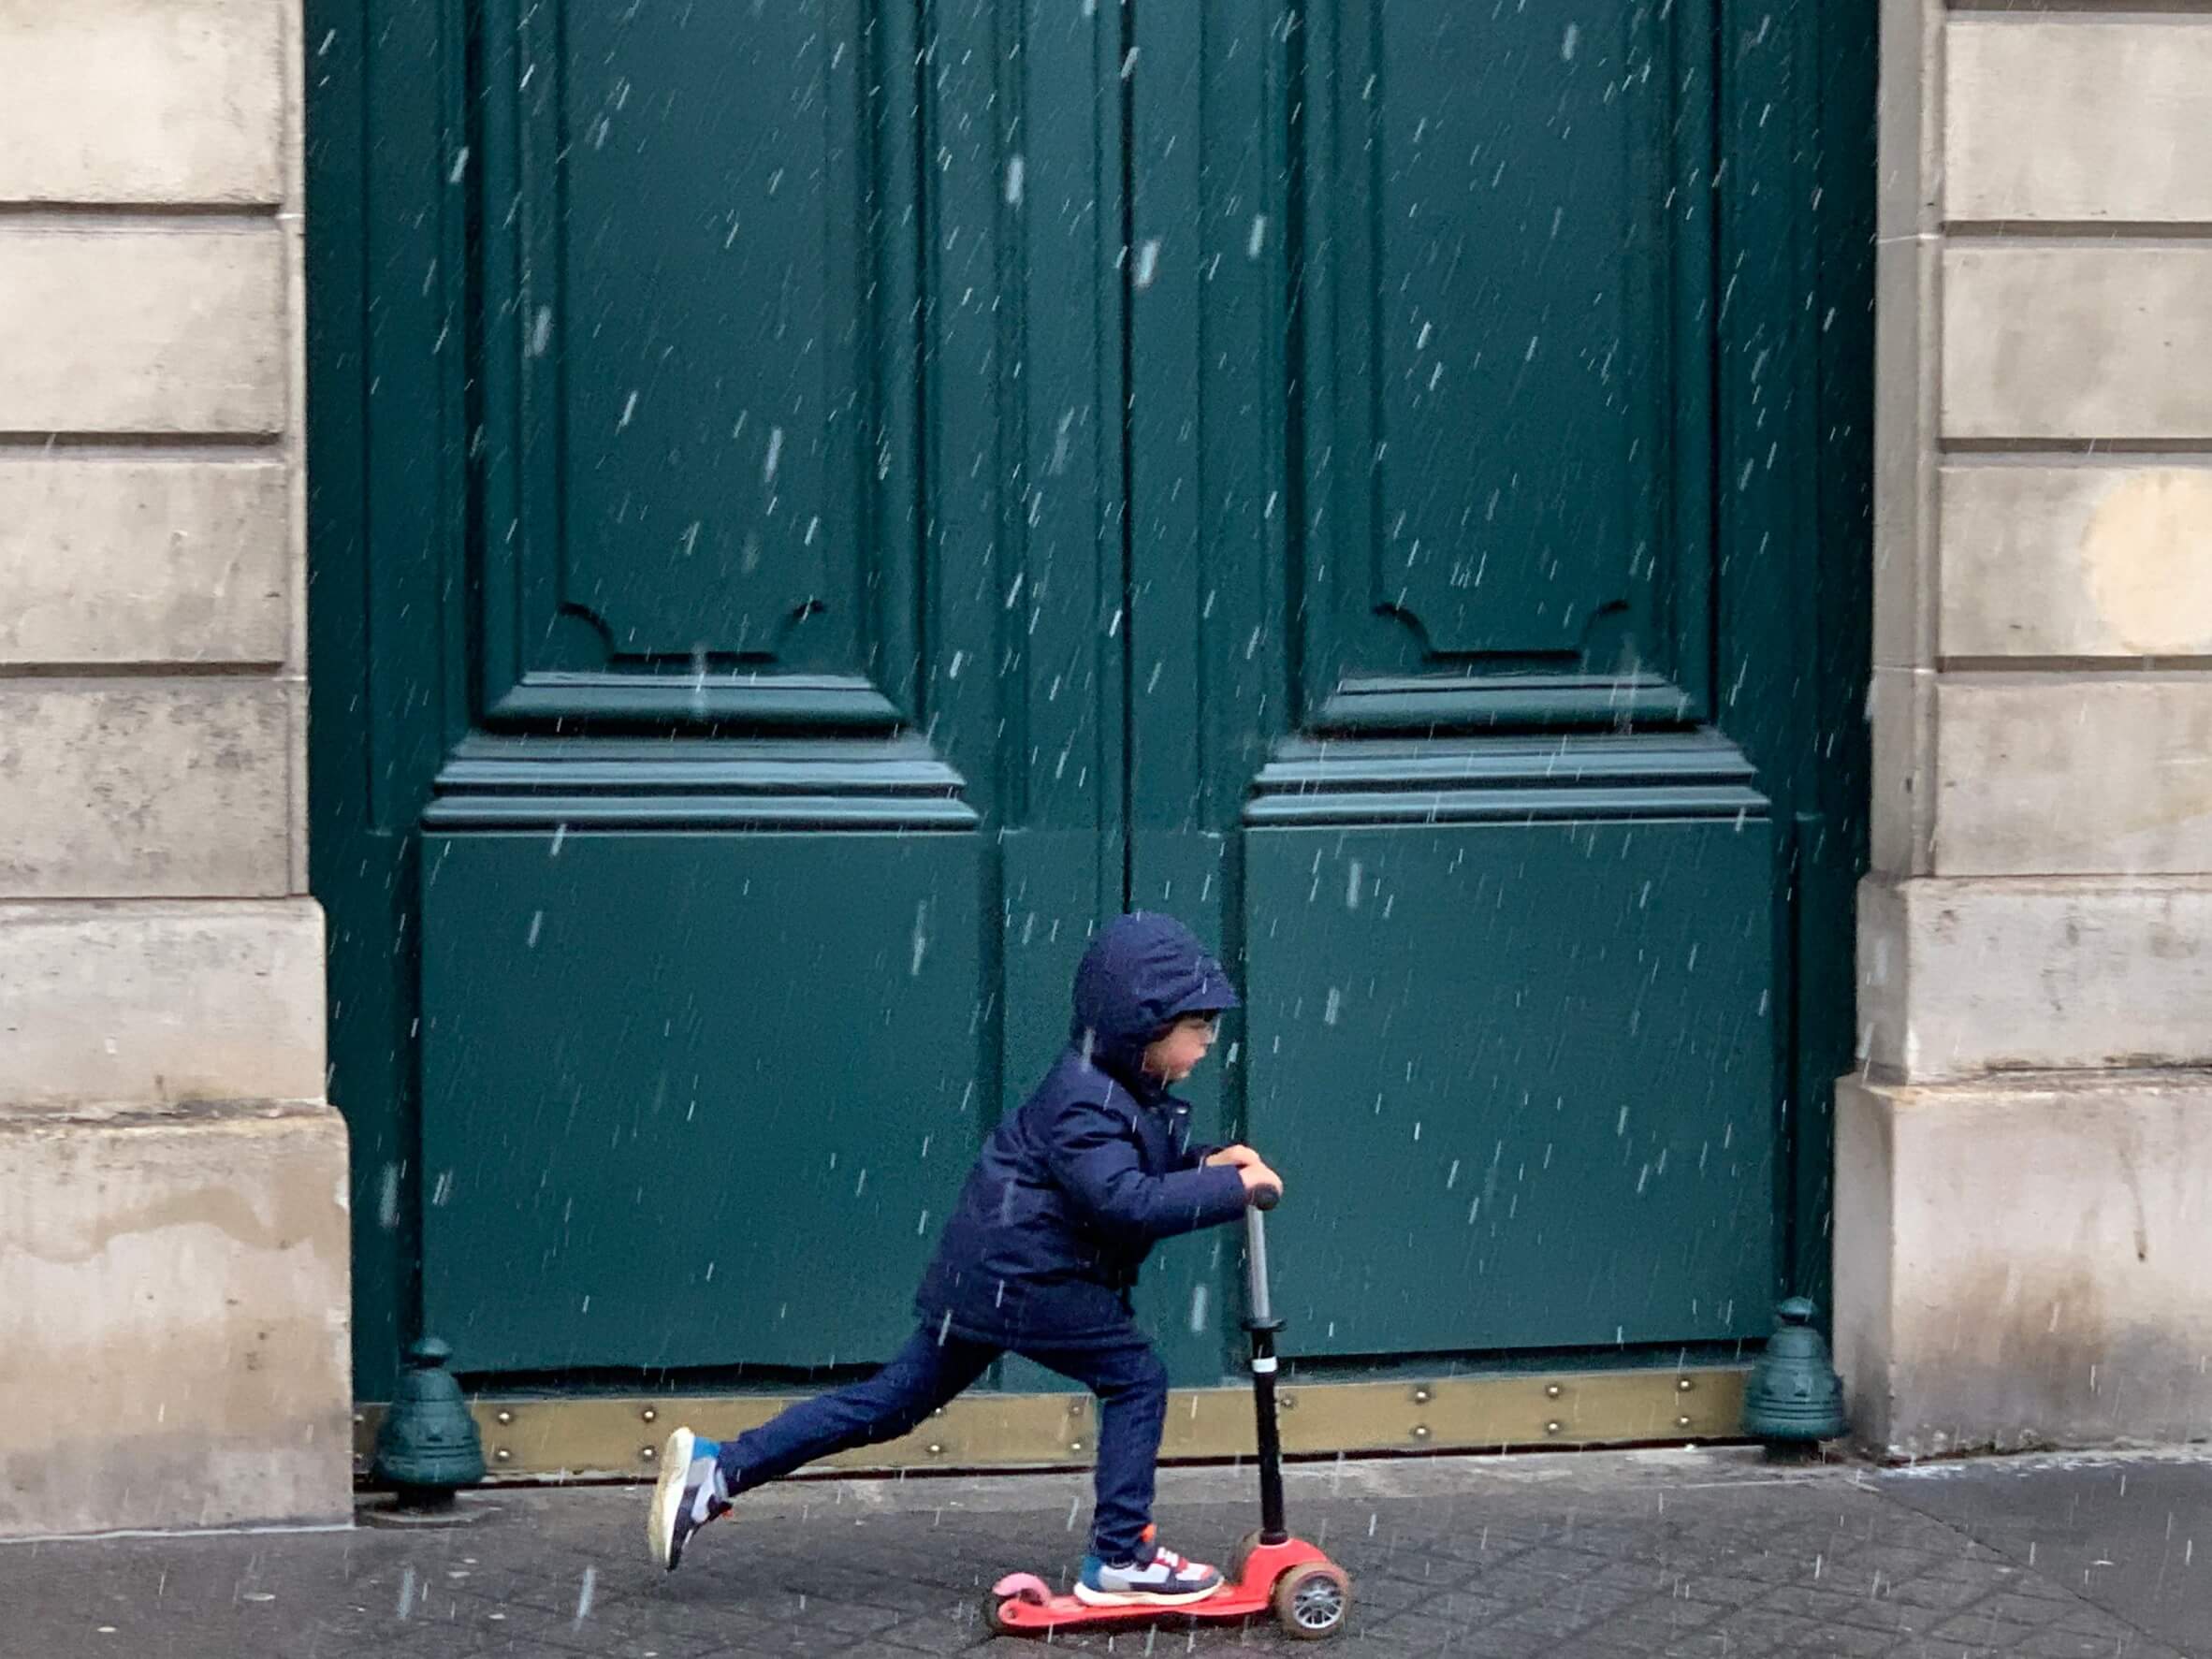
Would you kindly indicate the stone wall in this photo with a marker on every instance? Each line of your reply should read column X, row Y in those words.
column 2024, row 1162
column 173, row 1281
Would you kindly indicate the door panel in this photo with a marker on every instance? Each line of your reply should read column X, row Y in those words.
column 691, row 1098
column 714, row 375
column 1525, row 1102
column 1505, row 191
column 701, row 251
column 1503, row 415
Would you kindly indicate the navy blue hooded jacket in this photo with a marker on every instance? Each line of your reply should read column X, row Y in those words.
column 1073, row 1189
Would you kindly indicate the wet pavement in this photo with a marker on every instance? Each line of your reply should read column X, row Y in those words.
column 1711, row 1553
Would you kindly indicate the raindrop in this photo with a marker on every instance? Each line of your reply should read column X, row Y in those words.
column 584, row 1594
column 1015, row 169
column 1257, row 240
column 775, row 452
column 1567, row 42
column 629, row 409
column 537, row 923
column 1147, row 262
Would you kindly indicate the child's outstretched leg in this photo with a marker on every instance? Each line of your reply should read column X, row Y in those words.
column 699, row 1478
column 1127, row 1565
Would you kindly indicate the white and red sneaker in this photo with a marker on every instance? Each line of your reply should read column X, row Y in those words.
column 1157, row 1577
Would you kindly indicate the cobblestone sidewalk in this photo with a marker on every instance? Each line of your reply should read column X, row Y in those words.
column 1712, row 1555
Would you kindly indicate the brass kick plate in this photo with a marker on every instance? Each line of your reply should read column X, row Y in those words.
column 621, row 1437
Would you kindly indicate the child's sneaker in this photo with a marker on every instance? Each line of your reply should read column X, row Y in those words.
column 1158, row 1577
column 686, row 1496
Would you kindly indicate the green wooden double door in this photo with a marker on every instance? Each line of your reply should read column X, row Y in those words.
column 818, row 502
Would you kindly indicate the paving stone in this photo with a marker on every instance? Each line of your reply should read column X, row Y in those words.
column 2115, row 1641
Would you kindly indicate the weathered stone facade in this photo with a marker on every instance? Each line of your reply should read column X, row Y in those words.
column 173, row 1234
column 2024, row 1162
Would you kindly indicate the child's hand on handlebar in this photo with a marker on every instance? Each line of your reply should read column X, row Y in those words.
column 1256, row 1175
column 1250, row 1167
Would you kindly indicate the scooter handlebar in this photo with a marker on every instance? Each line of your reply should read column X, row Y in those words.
column 1259, row 1306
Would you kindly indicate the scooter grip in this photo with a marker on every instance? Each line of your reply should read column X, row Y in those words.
column 1266, row 1198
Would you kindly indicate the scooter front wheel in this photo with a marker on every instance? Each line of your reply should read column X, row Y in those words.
column 1311, row 1602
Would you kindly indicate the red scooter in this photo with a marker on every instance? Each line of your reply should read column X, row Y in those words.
column 1309, row 1593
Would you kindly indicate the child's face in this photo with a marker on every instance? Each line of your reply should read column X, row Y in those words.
column 1175, row 1054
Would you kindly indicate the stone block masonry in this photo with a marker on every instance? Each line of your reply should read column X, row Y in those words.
column 173, row 1228
column 2025, row 1160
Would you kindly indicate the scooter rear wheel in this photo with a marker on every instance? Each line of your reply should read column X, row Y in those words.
column 1311, row 1602
column 1013, row 1587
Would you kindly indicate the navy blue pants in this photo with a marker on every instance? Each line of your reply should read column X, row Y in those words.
column 1128, row 1378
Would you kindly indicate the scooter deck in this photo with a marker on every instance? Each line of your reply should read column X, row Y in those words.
column 1024, row 1609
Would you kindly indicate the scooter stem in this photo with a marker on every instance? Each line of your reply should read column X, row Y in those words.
column 1260, row 1322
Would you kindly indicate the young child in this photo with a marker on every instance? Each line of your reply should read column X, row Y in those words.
column 1039, row 1259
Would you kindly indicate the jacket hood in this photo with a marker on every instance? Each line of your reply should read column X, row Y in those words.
column 1141, row 972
